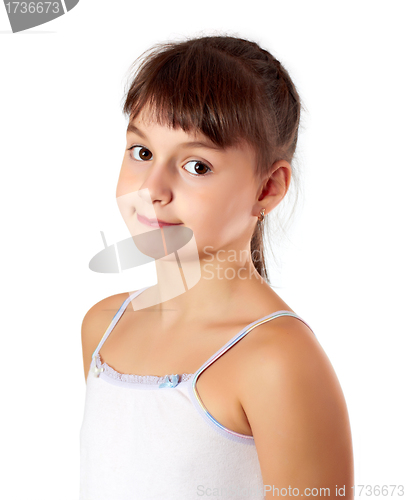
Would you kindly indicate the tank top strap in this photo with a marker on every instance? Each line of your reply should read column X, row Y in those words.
column 241, row 334
column 116, row 318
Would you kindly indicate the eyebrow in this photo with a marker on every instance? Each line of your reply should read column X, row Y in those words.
column 192, row 144
column 132, row 128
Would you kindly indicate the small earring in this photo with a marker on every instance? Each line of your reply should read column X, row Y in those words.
column 262, row 215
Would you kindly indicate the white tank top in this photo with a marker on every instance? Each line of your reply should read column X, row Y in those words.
column 152, row 438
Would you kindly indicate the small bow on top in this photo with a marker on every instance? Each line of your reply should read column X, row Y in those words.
column 173, row 382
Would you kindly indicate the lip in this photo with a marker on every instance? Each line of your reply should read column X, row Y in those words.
column 157, row 223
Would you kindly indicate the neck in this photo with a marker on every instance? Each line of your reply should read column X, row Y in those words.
column 207, row 286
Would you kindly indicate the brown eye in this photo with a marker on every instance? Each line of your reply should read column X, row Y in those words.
column 198, row 168
column 141, row 153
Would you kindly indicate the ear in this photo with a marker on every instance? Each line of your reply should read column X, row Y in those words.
column 274, row 187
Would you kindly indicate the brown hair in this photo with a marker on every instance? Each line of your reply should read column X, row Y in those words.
column 228, row 88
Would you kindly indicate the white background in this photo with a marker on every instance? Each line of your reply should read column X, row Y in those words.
column 341, row 266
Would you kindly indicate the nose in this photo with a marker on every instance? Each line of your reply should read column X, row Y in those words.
column 156, row 184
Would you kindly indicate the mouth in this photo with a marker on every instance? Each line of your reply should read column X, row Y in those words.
column 155, row 223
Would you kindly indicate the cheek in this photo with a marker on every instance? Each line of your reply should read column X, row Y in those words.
column 218, row 210
column 200, row 209
column 127, row 182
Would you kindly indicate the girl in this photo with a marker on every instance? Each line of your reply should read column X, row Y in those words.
column 210, row 384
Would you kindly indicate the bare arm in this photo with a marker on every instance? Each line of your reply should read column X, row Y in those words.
column 298, row 415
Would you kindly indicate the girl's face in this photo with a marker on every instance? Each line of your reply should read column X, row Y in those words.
column 182, row 178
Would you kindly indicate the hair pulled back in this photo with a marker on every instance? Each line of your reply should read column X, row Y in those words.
column 229, row 89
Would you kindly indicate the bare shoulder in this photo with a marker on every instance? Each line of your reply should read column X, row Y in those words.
column 95, row 323
column 285, row 343
column 296, row 409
